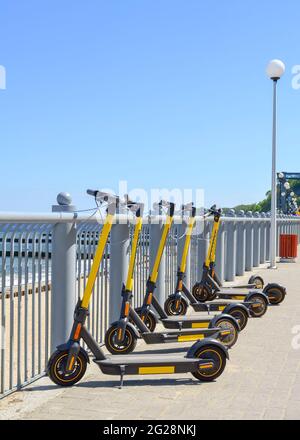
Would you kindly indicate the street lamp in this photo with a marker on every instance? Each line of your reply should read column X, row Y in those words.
column 287, row 185
column 275, row 70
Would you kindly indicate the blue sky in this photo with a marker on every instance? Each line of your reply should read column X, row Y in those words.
column 165, row 93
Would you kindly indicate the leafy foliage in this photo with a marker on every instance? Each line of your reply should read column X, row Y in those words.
column 265, row 204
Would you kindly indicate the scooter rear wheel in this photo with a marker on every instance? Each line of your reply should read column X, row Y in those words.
column 226, row 324
column 175, row 307
column 257, row 280
column 200, row 293
column 275, row 295
column 217, row 355
column 260, row 307
column 56, row 368
column 126, row 346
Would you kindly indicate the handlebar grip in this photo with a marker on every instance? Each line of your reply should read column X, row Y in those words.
column 213, row 210
column 103, row 196
column 171, row 209
column 92, row 192
column 166, row 204
column 188, row 207
column 137, row 208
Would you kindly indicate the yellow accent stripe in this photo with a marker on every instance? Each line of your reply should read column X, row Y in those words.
column 156, row 370
column 77, row 331
column 211, row 254
column 161, row 248
column 221, row 308
column 200, row 324
column 239, row 297
column 187, row 243
column 190, row 338
column 127, row 308
column 71, row 363
column 97, row 261
column 134, row 247
column 225, row 332
column 206, row 367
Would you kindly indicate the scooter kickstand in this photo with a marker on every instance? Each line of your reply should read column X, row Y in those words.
column 122, row 373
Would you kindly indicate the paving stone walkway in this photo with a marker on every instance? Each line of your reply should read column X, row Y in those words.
column 261, row 380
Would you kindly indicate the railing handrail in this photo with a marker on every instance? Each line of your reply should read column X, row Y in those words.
column 75, row 217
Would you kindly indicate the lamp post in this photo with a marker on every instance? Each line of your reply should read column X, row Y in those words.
column 275, row 70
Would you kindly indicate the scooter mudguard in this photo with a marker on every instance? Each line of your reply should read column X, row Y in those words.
column 150, row 312
column 74, row 346
column 128, row 324
column 216, row 319
column 255, row 293
column 272, row 286
column 231, row 307
column 199, row 344
column 253, row 278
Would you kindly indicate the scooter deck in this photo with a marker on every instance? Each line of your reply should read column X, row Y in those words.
column 181, row 336
column 154, row 364
column 219, row 305
column 235, row 293
column 211, row 306
column 242, row 286
column 186, row 322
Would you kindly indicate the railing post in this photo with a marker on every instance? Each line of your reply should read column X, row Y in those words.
column 220, row 253
column 281, row 229
column 249, row 243
column 155, row 236
column 180, row 246
column 263, row 239
column 63, row 278
column 230, row 259
column 241, row 246
column 118, row 266
column 268, row 226
column 256, row 241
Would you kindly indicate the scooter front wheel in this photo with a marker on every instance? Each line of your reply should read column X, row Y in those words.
column 218, row 358
column 56, row 368
column 149, row 320
column 200, row 293
column 126, row 346
column 175, row 306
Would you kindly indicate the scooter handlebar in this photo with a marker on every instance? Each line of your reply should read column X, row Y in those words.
column 214, row 211
column 136, row 208
column 101, row 196
column 165, row 204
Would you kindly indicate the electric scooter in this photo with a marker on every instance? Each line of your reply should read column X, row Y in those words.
column 122, row 335
column 150, row 304
column 206, row 359
column 209, row 289
column 177, row 303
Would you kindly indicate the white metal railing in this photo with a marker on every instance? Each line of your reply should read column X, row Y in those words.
column 28, row 301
